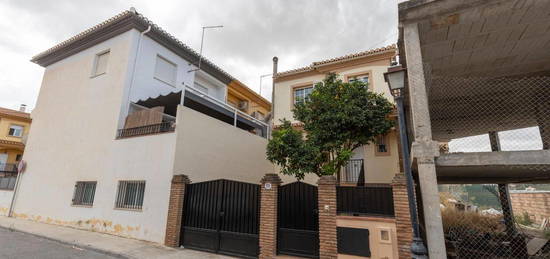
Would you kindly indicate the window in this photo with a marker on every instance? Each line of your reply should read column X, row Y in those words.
column 16, row 131
column 84, row 193
column 382, row 145
column 18, row 157
column 100, row 66
column 7, row 182
column 362, row 78
column 165, row 71
column 130, row 195
column 302, row 94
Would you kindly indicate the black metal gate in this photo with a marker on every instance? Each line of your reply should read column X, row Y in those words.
column 222, row 216
column 298, row 220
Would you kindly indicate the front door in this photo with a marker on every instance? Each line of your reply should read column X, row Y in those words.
column 222, row 216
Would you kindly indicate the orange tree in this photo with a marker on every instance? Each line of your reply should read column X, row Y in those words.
column 337, row 118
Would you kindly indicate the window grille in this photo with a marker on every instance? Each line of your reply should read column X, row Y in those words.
column 381, row 144
column 84, row 193
column 130, row 195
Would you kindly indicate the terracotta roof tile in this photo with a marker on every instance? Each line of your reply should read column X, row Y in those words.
column 344, row 58
column 119, row 17
column 14, row 113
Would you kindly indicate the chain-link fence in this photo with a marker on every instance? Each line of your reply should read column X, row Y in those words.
column 477, row 226
column 464, row 110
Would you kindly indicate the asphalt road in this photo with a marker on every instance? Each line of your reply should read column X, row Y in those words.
column 18, row 245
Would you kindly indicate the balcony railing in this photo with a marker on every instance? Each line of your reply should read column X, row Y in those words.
column 8, row 168
column 352, row 171
column 147, row 130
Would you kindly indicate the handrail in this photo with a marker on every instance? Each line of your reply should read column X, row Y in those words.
column 225, row 105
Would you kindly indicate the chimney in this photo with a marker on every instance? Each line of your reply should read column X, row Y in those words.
column 22, row 108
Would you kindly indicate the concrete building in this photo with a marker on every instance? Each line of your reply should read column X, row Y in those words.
column 122, row 108
column 478, row 78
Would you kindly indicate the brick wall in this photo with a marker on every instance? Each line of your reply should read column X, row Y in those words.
column 535, row 203
column 327, row 217
column 402, row 216
column 268, row 215
column 175, row 210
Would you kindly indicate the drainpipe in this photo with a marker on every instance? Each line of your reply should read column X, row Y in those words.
column 275, row 62
column 134, row 65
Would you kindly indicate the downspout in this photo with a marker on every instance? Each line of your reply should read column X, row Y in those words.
column 275, row 63
column 138, row 49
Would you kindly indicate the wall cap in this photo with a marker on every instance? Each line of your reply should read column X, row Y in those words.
column 181, row 178
column 327, row 180
column 271, row 178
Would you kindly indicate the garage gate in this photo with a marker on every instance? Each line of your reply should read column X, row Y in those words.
column 222, row 216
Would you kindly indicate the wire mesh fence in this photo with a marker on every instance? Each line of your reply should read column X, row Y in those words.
column 476, row 225
column 464, row 110
column 484, row 114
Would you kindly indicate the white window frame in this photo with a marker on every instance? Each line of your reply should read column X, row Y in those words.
column 175, row 79
column 95, row 73
column 301, row 88
column 21, row 130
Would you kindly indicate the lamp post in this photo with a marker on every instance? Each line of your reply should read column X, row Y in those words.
column 395, row 77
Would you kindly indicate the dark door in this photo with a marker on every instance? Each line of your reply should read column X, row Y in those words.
column 222, row 216
column 298, row 220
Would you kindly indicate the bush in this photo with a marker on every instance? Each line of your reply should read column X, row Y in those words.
column 524, row 219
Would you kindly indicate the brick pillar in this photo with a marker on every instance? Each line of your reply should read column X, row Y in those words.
column 175, row 210
column 268, row 215
column 327, row 217
column 402, row 215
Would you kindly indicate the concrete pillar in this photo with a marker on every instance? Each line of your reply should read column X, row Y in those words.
column 403, row 223
column 424, row 149
column 268, row 215
column 175, row 210
column 327, row 217
column 503, row 194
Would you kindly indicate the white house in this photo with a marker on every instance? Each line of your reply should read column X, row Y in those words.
column 110, row 130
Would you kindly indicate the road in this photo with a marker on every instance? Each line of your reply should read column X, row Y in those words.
column 18, row 245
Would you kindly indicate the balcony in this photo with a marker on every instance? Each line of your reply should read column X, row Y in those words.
column 352, row 173
column 6, row 168
column 158, row 115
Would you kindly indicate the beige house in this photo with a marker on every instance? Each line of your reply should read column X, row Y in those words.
column 377, row 162
column 380, row 160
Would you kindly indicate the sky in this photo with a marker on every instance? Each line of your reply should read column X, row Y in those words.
column 298, row 32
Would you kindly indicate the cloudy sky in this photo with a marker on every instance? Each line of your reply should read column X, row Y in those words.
column 298, row 32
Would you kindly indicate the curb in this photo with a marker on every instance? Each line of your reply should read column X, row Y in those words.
column 75, row 244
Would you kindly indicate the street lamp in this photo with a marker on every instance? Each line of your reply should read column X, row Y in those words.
column 395, row 77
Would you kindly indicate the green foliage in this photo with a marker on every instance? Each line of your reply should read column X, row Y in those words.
column 524, row 219
column 337, row 117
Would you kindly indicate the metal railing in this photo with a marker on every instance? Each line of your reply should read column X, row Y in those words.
column 7, row 180
column 230, row 108
column 147, row 130
column 365, row 200
column 8, row 168
column 352, row 171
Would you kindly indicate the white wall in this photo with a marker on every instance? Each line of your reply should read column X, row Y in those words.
column 5, row 200
column 209, row 149
column 73, row 139
column 145, row 84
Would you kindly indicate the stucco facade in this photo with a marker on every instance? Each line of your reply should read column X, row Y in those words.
column 76, row 135
column 379, row 168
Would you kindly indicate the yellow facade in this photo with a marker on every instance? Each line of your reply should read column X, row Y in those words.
column 246, row 100
column 12, row 143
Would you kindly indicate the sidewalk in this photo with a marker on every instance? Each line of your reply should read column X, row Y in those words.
column 118, row 246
